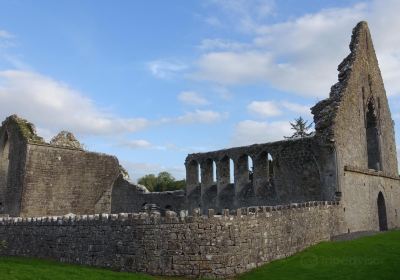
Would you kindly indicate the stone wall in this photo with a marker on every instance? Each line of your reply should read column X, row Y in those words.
column 282, row 172
column 59, row 181
column 359, row 199
column 208, row 246
column 356, row 119
column 128, row 198
column 14, row 136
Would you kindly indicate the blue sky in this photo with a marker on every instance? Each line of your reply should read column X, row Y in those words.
column 151, row 81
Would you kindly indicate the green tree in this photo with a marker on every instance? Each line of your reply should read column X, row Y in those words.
column 164, row 181
column 149, row 181
column 301, row 128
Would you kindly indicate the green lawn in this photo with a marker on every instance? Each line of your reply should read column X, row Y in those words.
column 12, row 268
column 374, row 257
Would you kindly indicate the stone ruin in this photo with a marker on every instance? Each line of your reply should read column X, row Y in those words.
column 242, row 206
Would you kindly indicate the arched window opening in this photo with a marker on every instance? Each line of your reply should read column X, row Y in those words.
column 199, row 173
column 270, row 167
column 214, row 172
column 372, row 135
column 250, row 168
column 231, row 172
column 382, row 213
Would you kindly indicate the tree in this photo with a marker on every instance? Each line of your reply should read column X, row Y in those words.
column 301, row 128
column 164, row 181
column 149, row 181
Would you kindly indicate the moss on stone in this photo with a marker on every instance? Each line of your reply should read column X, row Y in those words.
column 27, row 130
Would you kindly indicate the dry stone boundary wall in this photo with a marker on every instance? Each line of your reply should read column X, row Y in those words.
column 213, row 246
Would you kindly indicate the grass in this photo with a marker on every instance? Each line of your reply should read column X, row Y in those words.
column 374, row 257
column 14, row 268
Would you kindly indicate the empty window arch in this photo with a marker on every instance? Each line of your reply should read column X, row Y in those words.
column 250, row 168
column 198, row 173
column 214, row 172
column 231, row 171
column 270, row 167
column 372, row 136
column 382, row 212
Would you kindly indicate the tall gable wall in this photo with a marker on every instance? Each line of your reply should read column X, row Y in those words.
column 341, row 119
column 356, row 121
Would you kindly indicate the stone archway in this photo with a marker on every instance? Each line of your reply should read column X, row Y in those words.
column 4, row 163
column 382, row 212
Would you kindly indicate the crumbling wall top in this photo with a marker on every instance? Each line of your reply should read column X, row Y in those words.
column 26, row 129
column 326, row 110
column 66, row 139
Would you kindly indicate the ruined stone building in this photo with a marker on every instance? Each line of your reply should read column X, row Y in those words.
column 351, row 158
column 56, row 178
column 242, row 206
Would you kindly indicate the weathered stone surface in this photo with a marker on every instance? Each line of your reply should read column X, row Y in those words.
column 351, row 157
column 66, row 139
column 208, row 246
column 342, row 179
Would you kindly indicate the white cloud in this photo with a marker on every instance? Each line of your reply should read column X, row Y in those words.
column 264, row 108
column 213, row 21
column 244, row 14
column 198, row 116
column 276, row 108
column 297, row 108
column 300, row 55
column 53, row 105
column 249, row 132
column 192, row 98
column 221, row 44
column 5, row 35
column 229, row 68
column 165, row 69
column 137, row 144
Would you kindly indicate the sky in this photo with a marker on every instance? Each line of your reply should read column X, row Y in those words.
column 152, row 81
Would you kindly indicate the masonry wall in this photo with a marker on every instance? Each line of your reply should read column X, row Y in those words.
column 127, row 198
column 12, row 163
column 283, row 172
column 365, row 186
column 213, row 246
column 61, row 180
column 344, row 120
